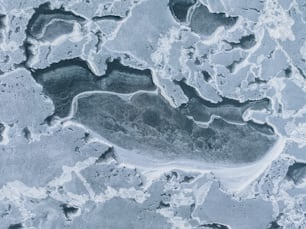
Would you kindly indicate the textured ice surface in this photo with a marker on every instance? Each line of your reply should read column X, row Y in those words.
column 148, row 124
column 149, row 114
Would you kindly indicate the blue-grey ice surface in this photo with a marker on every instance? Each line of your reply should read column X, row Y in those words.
column 152, row 114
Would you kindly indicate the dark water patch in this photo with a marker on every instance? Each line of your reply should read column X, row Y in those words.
column 187, row 179
column 301, row 72
column 205, row 23
column 2, row 128
column 206, row 76
column 15, row 226
column 43, row 15
column 245, row 42
column 274, row 225
column 233, row 65
column 288, row 72
column 258, row 81
column 179, row 8
column 27, row 134
column 28, row 52
column 213, row 226
column 162, row 204
column 296, row 172
column 109, row 153
column 2, row 21
column 64, row 80
column 125, row 79
column 69, row 210
column 228, row 109
column 108, row 17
